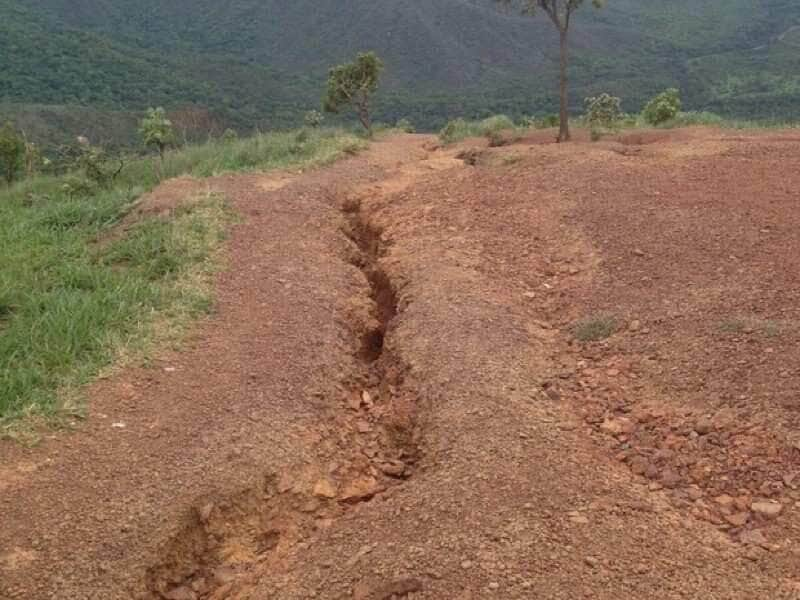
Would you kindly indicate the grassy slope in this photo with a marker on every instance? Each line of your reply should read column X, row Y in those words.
column 69, row 306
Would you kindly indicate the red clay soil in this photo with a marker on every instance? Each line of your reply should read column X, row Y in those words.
column 391, row 401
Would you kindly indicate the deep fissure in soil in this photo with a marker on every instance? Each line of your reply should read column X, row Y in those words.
column 228, row 539
column 382, row 292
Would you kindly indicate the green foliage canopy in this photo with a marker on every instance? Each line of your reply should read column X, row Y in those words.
column 663, row 107
column 352, row 84
column 156, row 130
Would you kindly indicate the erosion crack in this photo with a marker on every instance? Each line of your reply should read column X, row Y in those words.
column 230, row 539
column 368, row 239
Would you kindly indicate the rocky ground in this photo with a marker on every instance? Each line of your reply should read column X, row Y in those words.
column 545, row 371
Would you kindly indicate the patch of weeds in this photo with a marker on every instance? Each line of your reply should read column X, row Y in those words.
column 593, row 329
column 511, row 159
column 748, row 325
column 732, row 326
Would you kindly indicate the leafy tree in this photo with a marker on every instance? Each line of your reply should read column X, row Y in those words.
column 560, row 13
column 12, row 152
column 353, row 84
column 313, row 119
column 602, row 112
column 663, row 107
column 157, row 131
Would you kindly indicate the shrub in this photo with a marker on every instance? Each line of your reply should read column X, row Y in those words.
column 12, row 152
column 549, row 121
column 663, row 107
column 406, row 126
column 75, row 187
column 313, row 119
column 526, row 122
column 594, row 328
column 229, row 136
column 455, row 130
column 98, row 167
column 602, row 113
column 496, row 123
column 156, row 130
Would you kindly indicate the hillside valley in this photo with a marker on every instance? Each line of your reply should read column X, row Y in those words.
column 263, row 63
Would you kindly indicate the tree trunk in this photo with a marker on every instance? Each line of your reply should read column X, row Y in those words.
column 362, row 105
column 563, row 133
column 364, row 116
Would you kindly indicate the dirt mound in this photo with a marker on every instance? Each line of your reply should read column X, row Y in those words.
column 393, row 399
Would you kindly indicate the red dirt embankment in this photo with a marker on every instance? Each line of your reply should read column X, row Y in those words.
column 390, row 400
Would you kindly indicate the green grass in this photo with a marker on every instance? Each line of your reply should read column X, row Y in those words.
column 748, row 325
column 461, row 129
column 595, row 328
column 74, row 298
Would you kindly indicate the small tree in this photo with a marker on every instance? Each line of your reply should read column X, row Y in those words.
column 353, row 84
column 99, row 167
column 313, row 119
column 663, row 107
column 157, row 131
column 12, row 152
column 602, row 113
column 560, row 13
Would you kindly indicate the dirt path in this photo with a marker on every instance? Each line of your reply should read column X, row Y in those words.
column 389, row 401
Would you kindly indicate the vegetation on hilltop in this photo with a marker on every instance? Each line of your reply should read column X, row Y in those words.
column 261, row 64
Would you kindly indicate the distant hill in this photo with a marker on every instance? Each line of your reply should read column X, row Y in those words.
column 263, row 62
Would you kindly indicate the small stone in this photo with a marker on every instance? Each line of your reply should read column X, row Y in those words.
column 324, row 488
column 638, row 252
column 738, row 519
column 616, row 426
column 768, row 510
column 591, row 561
column 367, row 399
column 467, row 564
column 704, row 426
column 579, row 520
column 724, row 500
column 635, row 325
column 205, row 512
column 394, row 469
column 670, row 478
column 753, row 553
column 553, row 394
column 694, row 493
column 361, row 489
column 752, row 537
column 494, row 586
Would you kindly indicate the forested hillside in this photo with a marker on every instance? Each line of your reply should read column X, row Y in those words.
column 263, row 62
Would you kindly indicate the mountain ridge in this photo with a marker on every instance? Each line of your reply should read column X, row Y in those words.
column 263, row 63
